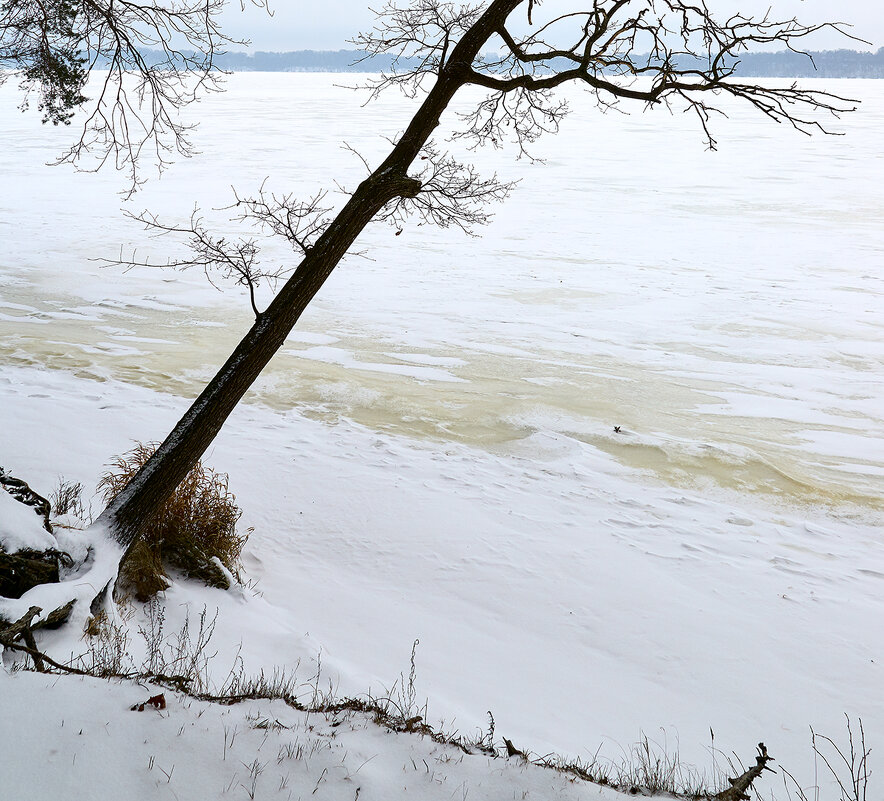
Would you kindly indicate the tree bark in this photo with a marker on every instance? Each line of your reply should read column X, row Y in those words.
column 187, row 442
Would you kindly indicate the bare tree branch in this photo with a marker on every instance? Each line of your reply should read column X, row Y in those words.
column 299, row 222
column 234, row 260
column 419, row 37
column 519, row 114
column 451, row 194
column 148, row 59
column 658, row 52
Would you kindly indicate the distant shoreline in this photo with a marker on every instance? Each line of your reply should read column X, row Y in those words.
column 783, row 64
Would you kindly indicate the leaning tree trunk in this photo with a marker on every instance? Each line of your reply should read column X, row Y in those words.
column 187, row 442
column 193, row 434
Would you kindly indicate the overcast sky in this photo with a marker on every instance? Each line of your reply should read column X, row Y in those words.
column 303, row 25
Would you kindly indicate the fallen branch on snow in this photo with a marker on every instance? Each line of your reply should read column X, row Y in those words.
column 739, row 789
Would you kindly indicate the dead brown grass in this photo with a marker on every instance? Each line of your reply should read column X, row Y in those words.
column 195, row 526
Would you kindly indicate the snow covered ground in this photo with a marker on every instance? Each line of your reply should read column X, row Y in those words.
column 433, row 457
column 84, row 742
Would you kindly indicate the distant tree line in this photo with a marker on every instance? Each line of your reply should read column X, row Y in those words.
column 305, row 61
column 782, row 64
column 825, row 64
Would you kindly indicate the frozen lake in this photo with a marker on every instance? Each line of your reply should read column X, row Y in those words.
column 725, row 309
column 433, row 455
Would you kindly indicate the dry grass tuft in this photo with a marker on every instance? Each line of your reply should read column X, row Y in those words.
column 142, row 573
column 67, row 499
column 196, row 526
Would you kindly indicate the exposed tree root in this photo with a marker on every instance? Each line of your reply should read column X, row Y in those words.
column 20, row 490
column 23, row 629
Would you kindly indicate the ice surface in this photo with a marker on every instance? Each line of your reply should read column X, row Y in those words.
column 632, row 280
column 717, row 564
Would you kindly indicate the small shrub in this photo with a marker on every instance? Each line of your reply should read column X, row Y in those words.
column 67, row 499
column 196, row 526
column 847, row 767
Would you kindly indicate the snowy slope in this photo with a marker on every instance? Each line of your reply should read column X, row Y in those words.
column 78, row 740
column 578, row 604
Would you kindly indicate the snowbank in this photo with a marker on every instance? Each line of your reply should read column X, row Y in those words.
column 21, row 528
